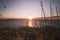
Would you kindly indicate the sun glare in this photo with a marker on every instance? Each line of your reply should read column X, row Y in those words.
column 30, row 17
column 30, row 21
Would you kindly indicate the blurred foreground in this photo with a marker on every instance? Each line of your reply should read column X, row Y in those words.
column 44, row 33
column 12, row 30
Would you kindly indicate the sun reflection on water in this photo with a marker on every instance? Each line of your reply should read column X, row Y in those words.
column 30, row 23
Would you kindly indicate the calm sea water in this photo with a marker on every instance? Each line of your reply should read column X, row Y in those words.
column 19, row 23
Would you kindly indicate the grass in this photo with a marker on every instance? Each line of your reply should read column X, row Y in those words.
column 43, row 33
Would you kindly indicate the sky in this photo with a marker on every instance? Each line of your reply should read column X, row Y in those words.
column 25, row 8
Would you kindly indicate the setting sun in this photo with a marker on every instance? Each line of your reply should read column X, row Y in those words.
column 30, row 17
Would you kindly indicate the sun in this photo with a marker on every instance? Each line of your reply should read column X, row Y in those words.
column 30, row 17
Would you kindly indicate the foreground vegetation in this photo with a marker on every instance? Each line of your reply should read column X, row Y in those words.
column 45, row 33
